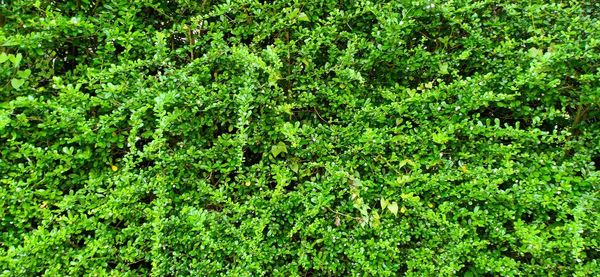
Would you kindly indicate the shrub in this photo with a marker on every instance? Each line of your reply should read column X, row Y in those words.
column 282, row 138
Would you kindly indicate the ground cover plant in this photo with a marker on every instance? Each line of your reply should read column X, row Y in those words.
column 299, row 138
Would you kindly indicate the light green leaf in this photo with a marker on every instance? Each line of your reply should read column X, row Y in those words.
column 444, row 68
column 3, row 57
column 393, row 207
column 278, row 149
column 24, row 74
column 440, row 138
column 16, row 60
column 293, row 14
column 534, row 52
column 303, row 17
column 384, row 203
column 403, row 179
column 17, row 83
column 294, row 166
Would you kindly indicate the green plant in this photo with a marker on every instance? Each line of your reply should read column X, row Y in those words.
column 282, row 138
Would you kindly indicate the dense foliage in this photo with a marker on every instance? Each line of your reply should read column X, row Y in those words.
column 247, row 137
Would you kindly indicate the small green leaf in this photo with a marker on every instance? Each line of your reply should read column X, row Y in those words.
column 16, row 60
column 444, row 68
column 303, row 17
column 384, row 203
column 393, row 207
column 3, row 57
column 278, row 149
column 534, row 52
column 440, row 138
column 294, row 166
column 293, row 14
column 403, row 179
column 375, row 219
column 24, row 74
column 17, row 83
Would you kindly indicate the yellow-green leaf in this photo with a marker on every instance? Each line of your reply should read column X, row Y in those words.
column 303, row 17
column 393, row 207
column 278, row 149
column 384, row 203
column 17, row 83
column 3, row 57
column 24, row 74
column 294, row 166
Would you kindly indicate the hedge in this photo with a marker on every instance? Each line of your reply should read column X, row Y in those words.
column 295, row 138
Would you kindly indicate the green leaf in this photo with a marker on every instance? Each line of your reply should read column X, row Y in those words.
column 384, row 203
column 294, row 166
column 440, row 138
column 443, row 69
column 534, row 52
column 303, row 17
column 403, row 179
column 17, row 83
column 293, row 14
column 278, row 149
column 3, row 57
column 24, row 74
column 393, row 207
column 16, row 60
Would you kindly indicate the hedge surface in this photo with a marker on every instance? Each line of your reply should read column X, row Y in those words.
column 246, row 137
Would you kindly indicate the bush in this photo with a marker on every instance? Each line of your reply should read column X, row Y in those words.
column 299, row 137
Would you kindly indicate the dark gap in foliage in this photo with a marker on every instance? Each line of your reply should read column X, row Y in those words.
column 86, row 90
column 79, row 240
column 569, row 217
column 592, row 253
column 527, row 217
column 320, row 59
column 251, row 157
column 504, row 114
column 402, row 267
column 65, row 60
column 142, row 142
column 148, row 197
column 146, row 163
column 74, row 51
column 141, row 264
column 117, row 153
column 173, row 142
column 525, row 258
column 268, row 40
column 505, row 185
column 551, row 217
column 223, row 130
column 151, row 17
column 292, row 185
column 119, row 49
column 308, row 272
column 115, row 224
column 596, row 161
column 32, row 223
column 481, row 232
column 112, row 264
column 515, row 255
column 548, row 126
column 467, row 267
column 509, row 226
